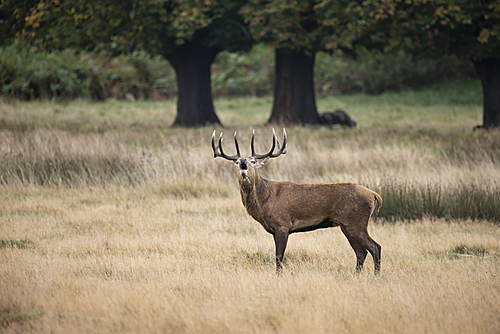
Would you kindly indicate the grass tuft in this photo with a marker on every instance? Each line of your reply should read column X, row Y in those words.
column 9, row 317
column 469, row 250
column 16, row 243
column 467, row 201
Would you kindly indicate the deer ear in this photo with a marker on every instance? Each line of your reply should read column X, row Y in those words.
column 262, row 162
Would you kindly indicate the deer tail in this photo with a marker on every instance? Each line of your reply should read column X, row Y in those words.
column 378, row 199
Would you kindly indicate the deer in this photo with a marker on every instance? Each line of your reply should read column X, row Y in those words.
column 284, row 208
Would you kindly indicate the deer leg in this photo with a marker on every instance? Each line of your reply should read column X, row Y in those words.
column 374, row 249
column 359, row 249
column 280, row 240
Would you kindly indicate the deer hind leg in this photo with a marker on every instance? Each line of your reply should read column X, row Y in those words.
column 362, row 243
column 280, row 240
column 376, row 251
column 358, row 247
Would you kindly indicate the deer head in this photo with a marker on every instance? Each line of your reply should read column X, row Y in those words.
column 248, row 166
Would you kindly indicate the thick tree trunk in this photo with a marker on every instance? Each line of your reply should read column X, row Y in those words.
column 192, row 64
column 294, row 97
column 489, row 73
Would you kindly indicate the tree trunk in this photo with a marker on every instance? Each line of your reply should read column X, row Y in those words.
column 489, row 73
column 192, row 64
column 294, row 97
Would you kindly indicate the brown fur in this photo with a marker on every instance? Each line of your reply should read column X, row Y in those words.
column 283, row 208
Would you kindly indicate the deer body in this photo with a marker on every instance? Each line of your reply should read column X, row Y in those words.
column 283, row 208
column 306, row 207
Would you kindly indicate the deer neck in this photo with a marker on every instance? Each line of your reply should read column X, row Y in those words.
column 253, row 194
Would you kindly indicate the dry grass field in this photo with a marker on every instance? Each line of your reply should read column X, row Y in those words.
column 112, row 224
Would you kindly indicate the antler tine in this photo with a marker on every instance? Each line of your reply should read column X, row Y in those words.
column 236, row 144
column 281, row 150
column 251, row 143
column 213, row 145
column 219, row 152
column 268, row 154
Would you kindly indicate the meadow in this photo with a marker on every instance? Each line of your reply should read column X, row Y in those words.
column 111, row 221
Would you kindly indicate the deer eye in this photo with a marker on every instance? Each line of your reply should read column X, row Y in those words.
column 252, row 162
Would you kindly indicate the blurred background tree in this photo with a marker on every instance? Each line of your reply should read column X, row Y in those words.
column 469, row 29
column 295, row 30
column 188, row 33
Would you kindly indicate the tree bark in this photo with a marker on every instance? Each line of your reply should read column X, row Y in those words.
column 489, row 73
column 294, row 96
column 192, row 64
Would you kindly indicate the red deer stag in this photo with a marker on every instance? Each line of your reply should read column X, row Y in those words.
column 283, row 208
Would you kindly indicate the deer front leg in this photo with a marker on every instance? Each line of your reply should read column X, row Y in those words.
column 280, row 240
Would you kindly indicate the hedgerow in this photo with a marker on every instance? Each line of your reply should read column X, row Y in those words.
column 28, row 75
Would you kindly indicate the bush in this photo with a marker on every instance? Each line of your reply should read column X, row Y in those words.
column 26, row 74
column 375, row 73
column 244, row 74
column 29, row 75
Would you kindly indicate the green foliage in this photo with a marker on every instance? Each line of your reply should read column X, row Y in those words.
column 375, row 72
column 305, row 25
column 244, row 74
column 468, row 29
column 158, row 26
column 29, row 75
column 284, row 24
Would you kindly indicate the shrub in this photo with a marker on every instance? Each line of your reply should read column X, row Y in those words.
column 26, row 74
column 375, row 73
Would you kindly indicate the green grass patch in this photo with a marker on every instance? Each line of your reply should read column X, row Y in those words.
column 16, row 243
column 468, row 250
column 409, row 202
column 464, row 251
column 70, row 171
column 435, row 108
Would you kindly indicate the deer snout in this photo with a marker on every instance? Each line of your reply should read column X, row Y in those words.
column 243, row 163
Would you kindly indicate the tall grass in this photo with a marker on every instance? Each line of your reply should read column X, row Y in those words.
column 121, row 259
column 113, row 222
column 466, row 201
column 419, row 179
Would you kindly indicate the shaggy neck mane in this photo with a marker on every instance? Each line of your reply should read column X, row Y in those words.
column 248, row 191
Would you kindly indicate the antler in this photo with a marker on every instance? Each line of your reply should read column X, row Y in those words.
column 218, row 152
column 270, row 154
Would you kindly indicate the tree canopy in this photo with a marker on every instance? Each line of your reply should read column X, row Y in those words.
column 189, row 33
column 466, row 28
column 158, row 26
